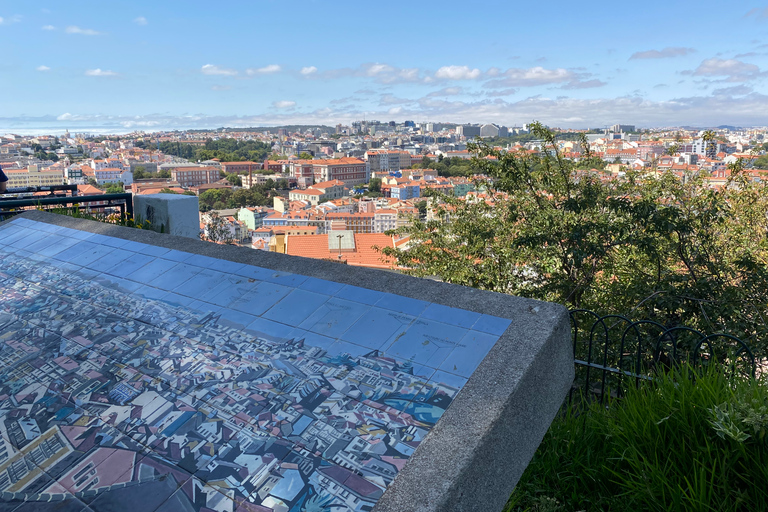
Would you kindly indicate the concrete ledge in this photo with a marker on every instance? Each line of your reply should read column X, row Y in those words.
column 471, row 460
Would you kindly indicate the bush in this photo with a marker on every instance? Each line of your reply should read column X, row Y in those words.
column 688, row 441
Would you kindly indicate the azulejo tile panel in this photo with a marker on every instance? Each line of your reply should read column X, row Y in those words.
column 139, row 378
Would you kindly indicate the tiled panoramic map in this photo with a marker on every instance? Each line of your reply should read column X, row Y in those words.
column 134, row 377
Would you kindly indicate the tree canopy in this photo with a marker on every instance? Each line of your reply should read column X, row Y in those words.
column 222, row 198
column 226, row 150
column 645, row 244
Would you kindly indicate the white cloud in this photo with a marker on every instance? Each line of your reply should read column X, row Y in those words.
column 220, row 88
column 73, row 29
column 389, row 99
column 585, row 84
column 210, row 69
column 457, row 73
column 502, row 92
column 99, row 72
column 733, row 70
column 704, row 110
column 284, row 104
column 13, row 19
column 266, row 70
column 666, row 53
column 447, row 91
column 757, row 13
column 538, row 76
column 378, row 69
column 141, row 20
column 308, row 70
column 48, row 27
column 43, row 68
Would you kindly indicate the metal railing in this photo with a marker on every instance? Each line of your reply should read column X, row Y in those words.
column 19, row 200
column 18, row 192
column 612, row 352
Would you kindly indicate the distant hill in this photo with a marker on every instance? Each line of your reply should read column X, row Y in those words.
column 273, row 129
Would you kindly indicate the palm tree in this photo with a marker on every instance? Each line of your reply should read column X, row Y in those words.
column 711, row 143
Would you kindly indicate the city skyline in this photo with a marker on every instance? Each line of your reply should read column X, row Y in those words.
column 141, row 66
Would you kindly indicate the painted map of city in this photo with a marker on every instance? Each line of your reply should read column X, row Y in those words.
column 137, row 378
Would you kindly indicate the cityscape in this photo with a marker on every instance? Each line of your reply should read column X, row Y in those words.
column 610, row 162
column 301, row 190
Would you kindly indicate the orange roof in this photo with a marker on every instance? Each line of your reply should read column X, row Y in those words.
column 88, row 190
column 331, row 183
column 364, row 254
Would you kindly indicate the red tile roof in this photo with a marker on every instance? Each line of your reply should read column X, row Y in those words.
column 364, row 254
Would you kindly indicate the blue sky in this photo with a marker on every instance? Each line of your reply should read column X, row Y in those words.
column 119, row 66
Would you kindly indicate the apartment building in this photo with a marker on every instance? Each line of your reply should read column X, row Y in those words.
column 33, row 176
column 113, row 175
column 388, row 160
column 352, row 171
column 241, row 167
column 195, row 176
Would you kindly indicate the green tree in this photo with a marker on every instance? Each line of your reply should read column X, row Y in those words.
column 114, row 188
column 374, row 185
column 305, row 156
column 710, row 141
column 164, row 174
column 422, row 206
column 140, row 173
column 216, row 230
column 644, row 244
column 234, row 179
column 166, row 190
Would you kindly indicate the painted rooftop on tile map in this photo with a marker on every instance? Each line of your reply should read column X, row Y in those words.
column 136, row 377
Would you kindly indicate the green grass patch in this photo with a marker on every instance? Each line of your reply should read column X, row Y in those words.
column 689, row 441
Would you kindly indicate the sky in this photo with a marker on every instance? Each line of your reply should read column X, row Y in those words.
column 122, row 66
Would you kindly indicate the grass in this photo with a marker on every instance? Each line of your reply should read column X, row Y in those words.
column 689, row 441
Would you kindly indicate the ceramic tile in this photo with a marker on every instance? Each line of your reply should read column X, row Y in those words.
column 323, row 286
column 231, row 288
column 175, row 275
column 360, row 295
column 151, row 271
column 270, row 328
column 492, row 324
column 426, row 342
column 334, row 317
column 377, row 327
column 260, row 299
column 400, row 304
column 197, row 403
column 451, row 316
column 44, row 245
column 469, row 353
column 284, row 278
column 295, row 307
column 130, row 265
column 201, row 285
column 202, row 261
column 76, row 252
column 109, row 241
column 152, row 250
